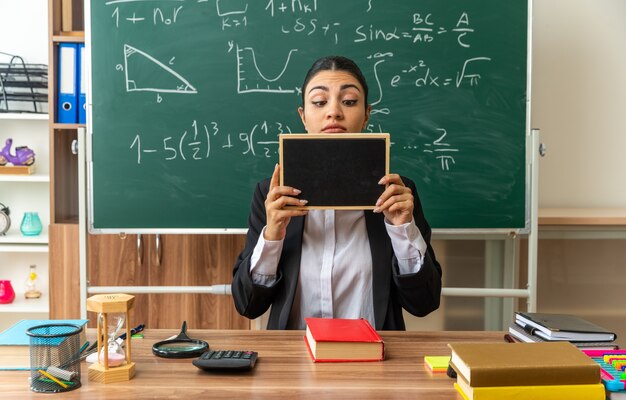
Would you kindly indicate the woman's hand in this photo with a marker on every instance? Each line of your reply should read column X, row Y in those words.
column 277, row 215
column 396, row 202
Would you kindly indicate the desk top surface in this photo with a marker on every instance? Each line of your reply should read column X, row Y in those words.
column 284, row 370
column 583, row 216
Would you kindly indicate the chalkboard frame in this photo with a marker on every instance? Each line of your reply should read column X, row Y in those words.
column 529, row 155
column 327, row 160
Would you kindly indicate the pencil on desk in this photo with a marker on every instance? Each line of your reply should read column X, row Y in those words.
column 69, row 383
column 58, row 382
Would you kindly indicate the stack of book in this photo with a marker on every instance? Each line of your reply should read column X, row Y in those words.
column 539, row 327
column 538, row 371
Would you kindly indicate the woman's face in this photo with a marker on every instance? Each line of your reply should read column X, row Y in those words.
column 334, row 102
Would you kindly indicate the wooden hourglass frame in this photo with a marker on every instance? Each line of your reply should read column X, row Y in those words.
column 105, row 304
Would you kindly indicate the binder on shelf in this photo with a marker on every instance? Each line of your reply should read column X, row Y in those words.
column 68, row 93
column 82, row 107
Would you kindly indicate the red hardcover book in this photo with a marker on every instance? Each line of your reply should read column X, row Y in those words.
column 339, row 340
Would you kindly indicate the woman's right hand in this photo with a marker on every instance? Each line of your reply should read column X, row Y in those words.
column 278, row 216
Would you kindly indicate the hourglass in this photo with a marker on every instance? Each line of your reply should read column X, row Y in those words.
column 113, row 364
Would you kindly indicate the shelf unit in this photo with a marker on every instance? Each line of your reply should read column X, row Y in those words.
column 23, row 193
column 24, row 116
column 22, row 305
column 36, row 177
column 23, row 32
column 13, row 237
column 63, row 232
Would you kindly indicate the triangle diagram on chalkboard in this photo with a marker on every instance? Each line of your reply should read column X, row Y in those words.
column 145, row 73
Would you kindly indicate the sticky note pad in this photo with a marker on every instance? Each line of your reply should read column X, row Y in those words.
column 437, row 363
column 609, row 358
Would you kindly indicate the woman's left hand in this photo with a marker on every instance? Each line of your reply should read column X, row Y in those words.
column 396, row 202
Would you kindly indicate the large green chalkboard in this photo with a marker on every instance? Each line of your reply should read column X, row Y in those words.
column 188, row 98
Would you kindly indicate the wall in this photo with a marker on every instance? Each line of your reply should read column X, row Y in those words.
column 584, row 278
column 578, row 101
column 24, row 30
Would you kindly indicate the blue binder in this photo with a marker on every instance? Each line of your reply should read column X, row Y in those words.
column 82, row 84
column 68, row 93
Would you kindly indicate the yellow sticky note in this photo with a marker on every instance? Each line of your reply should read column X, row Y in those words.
column 437, row 363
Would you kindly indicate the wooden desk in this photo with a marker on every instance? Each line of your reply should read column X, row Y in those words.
column 284, row 370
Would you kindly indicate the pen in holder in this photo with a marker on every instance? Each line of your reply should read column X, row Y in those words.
column 54, row 357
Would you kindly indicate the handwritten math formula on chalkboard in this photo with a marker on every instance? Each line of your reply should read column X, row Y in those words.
column 194, row 93
column 195, row 144
column 250, row 77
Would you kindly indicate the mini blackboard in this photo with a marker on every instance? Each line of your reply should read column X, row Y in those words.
column 335, row 171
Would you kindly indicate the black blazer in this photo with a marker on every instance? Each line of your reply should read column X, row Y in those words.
column 418, row 293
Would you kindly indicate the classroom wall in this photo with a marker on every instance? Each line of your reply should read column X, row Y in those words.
column 585, row 278
column 24, row 30
column 579, row 101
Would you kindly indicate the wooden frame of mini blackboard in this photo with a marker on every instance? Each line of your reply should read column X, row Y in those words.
column 340, row 172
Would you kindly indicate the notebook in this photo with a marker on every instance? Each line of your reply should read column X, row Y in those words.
column 563, row 327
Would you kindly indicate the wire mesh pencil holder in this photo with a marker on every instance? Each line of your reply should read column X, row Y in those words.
column 54, row 357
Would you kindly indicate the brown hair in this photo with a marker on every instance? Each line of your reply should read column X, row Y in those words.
column 335, row 63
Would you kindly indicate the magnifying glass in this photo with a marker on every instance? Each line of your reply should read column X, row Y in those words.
column 182, row 346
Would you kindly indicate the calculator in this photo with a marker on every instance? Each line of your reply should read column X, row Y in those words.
column 226, row 360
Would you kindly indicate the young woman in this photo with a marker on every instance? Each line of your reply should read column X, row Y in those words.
column 336, row 264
